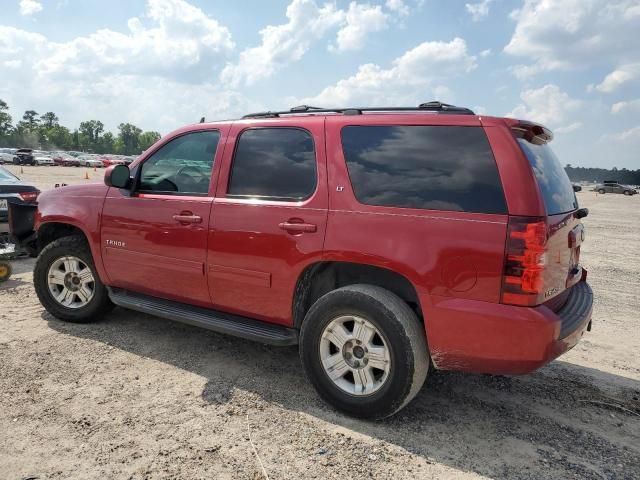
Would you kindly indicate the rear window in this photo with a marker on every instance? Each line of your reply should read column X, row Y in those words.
column 429, row 167
column 553, row 181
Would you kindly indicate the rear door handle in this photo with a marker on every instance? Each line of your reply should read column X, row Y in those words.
column 186, row 218
column 292, row 226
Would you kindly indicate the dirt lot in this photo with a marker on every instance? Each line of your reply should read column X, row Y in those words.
column 139, row 397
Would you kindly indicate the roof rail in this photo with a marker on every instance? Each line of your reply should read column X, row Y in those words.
column 437, row 107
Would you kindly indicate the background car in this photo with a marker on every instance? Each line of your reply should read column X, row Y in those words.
column 88, row 161
column 6, row 155
column 109, row 160
column 13, row 189
column 24, row 156
column 43, row 160
column 610, row 186
column 65, row 160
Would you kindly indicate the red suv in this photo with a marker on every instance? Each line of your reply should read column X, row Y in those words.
column 381, row 241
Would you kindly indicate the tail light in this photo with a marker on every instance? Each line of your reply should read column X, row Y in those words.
column 29, row 196
column 523, row 276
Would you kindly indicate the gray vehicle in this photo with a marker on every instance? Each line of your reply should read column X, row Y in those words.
column 610, row 186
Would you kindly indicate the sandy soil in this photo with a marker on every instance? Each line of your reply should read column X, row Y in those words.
column 139, row 397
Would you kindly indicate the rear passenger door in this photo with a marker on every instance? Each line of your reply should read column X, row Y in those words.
column 269, row 216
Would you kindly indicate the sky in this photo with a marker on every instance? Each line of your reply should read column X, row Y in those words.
column 573, row 65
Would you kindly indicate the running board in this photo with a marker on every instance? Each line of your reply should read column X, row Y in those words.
column 220, row 322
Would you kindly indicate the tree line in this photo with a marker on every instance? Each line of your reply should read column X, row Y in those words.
column 599, row 175
column 45, row 132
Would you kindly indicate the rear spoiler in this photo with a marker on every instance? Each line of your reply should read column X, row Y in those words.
column 532, row 132
column 21, row 225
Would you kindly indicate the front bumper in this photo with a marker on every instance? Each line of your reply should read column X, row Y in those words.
column 481, row 337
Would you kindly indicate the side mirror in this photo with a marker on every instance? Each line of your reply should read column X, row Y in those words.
column 577, row 188
column 117, row 176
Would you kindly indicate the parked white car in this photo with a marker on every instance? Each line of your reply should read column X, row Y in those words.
column 43, row 160
column 6, row 155
column 90, row 162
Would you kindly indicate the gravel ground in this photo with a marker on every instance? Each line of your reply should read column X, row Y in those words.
column 138, row 397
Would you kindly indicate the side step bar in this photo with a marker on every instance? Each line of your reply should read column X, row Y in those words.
column 210, row 319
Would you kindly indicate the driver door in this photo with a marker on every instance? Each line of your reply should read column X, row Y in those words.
column 154, row 239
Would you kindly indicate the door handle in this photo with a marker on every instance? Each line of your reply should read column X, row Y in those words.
column 186, row 218
column 293, row 226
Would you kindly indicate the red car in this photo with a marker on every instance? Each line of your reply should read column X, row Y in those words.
column 383, row 242
column 109, row 161
column 65, row 160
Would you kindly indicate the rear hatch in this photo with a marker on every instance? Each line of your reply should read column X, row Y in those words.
column 543, row 253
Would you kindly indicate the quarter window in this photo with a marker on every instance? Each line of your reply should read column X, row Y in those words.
column 430, row 167
column 182, row 166
column 274, row 163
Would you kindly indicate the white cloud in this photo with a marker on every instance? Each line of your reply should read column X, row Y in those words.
column 631, row 105
column 485, row 53
column 618, row 77
column 547, row 105
column 569, row 128
column 573, row 34
column 478, row 11
column 181, row 42
column 307, row 23
column 361, row 20
column 398, row 6
column 30, row 7
column 159, row 73
column 406, row 82
column 626, row 135
column 283, row 44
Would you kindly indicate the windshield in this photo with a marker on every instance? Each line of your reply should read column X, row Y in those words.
column 553, row 181
column 6, row 175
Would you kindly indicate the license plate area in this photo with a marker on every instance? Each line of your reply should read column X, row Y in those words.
column 3, row 204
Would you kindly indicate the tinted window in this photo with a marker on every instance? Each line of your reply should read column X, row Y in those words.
column 181, row 166
column 553, row 181
column 277, row 163
column 434, row 167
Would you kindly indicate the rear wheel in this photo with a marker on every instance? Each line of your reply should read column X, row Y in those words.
column 364, row 351
column 601, row 190
column 67, row 283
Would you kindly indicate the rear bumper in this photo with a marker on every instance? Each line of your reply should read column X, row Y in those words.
column 473, row 336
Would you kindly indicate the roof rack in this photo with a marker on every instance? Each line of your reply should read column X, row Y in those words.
column 436, row 107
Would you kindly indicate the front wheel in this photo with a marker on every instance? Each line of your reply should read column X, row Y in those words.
column 66, row 281
column 364, row 350
column 601, row 190
column 627, row 192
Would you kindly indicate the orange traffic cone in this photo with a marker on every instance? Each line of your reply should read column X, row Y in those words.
column 86, row 175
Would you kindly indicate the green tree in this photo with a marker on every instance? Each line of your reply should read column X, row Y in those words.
column 5, row 123
column 90, row 134
column 129, row 135
column 49, row 120
column 59, row 137
column 30, row 120
column 107, row 143
column 146, row 139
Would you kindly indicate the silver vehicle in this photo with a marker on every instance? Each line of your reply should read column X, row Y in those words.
column 610, row 186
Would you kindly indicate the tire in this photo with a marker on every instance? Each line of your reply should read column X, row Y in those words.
column 76, row 247
column 400, row 332
column 601, row 191
column 5, row 271
column 627, row 193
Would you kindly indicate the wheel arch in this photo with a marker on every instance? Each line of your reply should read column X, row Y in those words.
column 322, row 277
